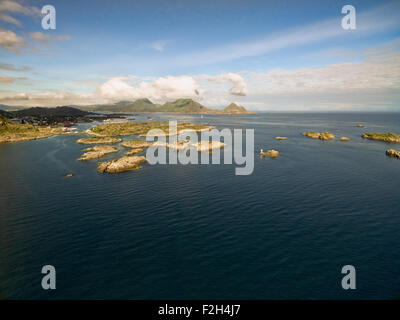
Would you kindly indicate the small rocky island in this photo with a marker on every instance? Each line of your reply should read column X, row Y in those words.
column 204, row 146
column 121, row 165
column 386, row 137
column 141, row 128
column 273, row 153
column 393, row 153
column 233, row 108
column 99, row 140
column 200, row 146
column 111, row 132
column 134, row 151
column 324, row 135
column 97, row 152
column 136, row 144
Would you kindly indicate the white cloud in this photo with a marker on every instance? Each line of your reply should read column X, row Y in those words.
column 159, row 45
column 7, row 18
column 49, row 98
column 376, row 72
column 8, row 6
column 9, row 80
column 6, row 80
column 239, row 87
column 15, row 7
column 160, row 90
column 11, row 67
column 10, row 41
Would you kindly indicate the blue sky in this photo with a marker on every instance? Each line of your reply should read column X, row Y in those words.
column 266, row 55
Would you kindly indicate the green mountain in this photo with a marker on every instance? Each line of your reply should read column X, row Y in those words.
column 183, row 106
column 50, row 112
column 140, row 105
column 234, row 108
column 145, row 105
column 178, row 106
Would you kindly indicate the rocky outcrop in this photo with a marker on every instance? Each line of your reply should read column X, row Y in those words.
column 123, row 164
column 344, row 139
column 134, row 144
column 324, row 135
column 233, row 108
column 386, row 137
column 99, row 140
column 203, row 146
column 142, row 129
column 200, row 146
column 273, row 153
column 186, row 128
column 134, row 151
column 97, row 152
column 360, row 125
column 393, row 153
column 178, row 145
column 312, row 134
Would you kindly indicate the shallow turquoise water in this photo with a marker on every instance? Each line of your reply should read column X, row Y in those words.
column 198, row 231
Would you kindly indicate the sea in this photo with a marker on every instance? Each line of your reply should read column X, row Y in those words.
column 200, row 231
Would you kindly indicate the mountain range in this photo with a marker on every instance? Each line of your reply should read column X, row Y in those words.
column 178, row 106
column 50, row 112
column 139, row 106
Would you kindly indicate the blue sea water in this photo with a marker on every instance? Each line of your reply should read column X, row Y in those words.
column 200, row 231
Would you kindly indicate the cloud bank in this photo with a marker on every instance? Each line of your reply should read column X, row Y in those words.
column 159, row 90
column 370, row 84
column 239, row 86
column 8, row 7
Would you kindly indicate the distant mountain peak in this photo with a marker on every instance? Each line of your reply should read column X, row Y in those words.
column 234, row 108
column 182, row 105
column 144, row 100
column 123, row 102
column 60, row 111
